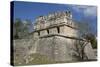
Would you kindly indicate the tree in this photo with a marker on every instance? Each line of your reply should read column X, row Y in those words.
column 79, row 50
column 92, row 38
column 87, row 32
column 22, row 28
column 88, row 37
column 17, row 25
column 84, row 27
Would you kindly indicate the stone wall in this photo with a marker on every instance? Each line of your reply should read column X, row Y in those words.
column 54, row 36
column 62, row 30
column 56, row 48
column 54, row 18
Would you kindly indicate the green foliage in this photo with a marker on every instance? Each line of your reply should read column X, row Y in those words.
column 91, row 37
column 86, row 32
column 17, row 25
column 84, row 27
column 21, row 28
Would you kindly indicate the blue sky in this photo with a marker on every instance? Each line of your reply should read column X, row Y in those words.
column 31, row 10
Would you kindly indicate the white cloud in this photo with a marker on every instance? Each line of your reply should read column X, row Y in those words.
column 87, row 10
column 91, row 11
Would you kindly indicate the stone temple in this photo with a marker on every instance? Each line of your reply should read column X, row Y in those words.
column 55, row 35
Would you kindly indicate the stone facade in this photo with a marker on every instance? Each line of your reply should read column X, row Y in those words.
column 54, row 36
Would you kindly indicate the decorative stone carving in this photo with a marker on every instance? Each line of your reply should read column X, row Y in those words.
column 54, row 18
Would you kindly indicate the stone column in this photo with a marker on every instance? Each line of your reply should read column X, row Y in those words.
column 35, row 35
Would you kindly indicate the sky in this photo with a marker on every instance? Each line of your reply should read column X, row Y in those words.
column 31, row 10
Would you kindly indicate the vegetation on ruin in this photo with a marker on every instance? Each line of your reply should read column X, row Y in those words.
column 35, row 58
column 87, row 33
column 21, row 28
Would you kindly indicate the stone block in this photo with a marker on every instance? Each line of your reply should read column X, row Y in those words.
column 68, row 31
column 44, row 32
column 53, row 31
column 35, row 34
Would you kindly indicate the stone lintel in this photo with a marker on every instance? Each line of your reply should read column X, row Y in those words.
column 51, row 35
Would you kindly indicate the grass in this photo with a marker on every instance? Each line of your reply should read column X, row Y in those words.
column 37, row 59
column 34, row 59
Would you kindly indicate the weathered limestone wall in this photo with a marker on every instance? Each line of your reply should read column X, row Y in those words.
column 62, row 49
column 53, row 31
column 62, row 30
column 36, row 34
column 24, row 47
column 56, row 48
column 68, row 31
column 44, row 32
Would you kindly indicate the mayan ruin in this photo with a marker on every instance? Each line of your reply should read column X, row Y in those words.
column 54, row 37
